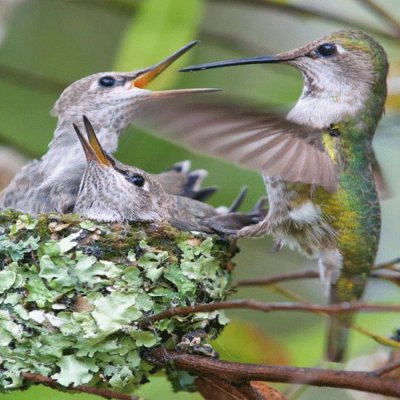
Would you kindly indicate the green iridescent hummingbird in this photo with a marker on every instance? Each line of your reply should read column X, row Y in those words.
column 317, row 161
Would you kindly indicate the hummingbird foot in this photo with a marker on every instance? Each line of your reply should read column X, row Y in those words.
column 330, row 264
column 257, row 230
column 236, row 223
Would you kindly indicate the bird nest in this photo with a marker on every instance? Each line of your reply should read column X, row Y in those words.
column 73, row 294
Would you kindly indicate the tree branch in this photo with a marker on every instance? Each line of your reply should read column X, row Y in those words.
column 380, row 11
column 107, row 394
column 301, row 11
column 312, row 274
column 239, row 372
column 387, row 368
column 267, row 307
column 293, row 276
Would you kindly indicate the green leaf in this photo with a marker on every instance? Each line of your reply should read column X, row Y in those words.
column 90, row 272
column 56, row 273
column 24, row 221
column 158, row 29
column 68, row 242
column 151, row 263
column 113, row 311
column 17, row 250
column 88, row 225
column 145, row 338
column 74, row 371
column 7, row 279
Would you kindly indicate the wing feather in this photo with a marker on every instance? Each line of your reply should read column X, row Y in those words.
column 255, row 140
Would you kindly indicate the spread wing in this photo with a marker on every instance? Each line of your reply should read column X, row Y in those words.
column 253, row 139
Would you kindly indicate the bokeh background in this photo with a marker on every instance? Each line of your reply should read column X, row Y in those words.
column 47, row 44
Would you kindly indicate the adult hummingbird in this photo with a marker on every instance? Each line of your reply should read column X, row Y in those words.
column 317, row 161
column 112, row 100
column 113, row 192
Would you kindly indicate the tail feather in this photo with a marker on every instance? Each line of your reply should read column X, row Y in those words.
column 338, row 330
column 337, row 337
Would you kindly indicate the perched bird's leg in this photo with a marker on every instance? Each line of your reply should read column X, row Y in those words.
column 256, row 230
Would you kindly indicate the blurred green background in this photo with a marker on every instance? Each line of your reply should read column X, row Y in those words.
column 47, row 44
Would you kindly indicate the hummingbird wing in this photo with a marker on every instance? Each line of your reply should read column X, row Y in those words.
column 253, row 139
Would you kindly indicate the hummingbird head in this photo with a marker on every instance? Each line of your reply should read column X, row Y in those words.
column 112, row 98
column 113, row 192
column 341, row 72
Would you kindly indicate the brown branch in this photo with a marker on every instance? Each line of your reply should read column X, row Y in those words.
column 107, row 394
column 380, row 11
column 239, row 372
column 306, row 274
column 267, row 307
column 301, row 11
column 388, row 264
column 311, row 274
column 387, row 368
column 215, row 388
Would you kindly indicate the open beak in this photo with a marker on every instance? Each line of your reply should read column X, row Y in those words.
column 149, row 74
column 93, row 150
column 152, row 72
column 283, row 57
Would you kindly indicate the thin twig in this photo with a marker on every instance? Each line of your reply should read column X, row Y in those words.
column 239, row 372
column 268, row 307
column 107, row 394
column 306, row 274
column 387, row 264
column 377, row 9
column 387, row 368
column 313, row 274
column 301, row 11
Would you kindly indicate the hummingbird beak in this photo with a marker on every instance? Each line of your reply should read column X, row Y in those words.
column 93, row 150
column 148, row 74
column 178, row 92
column 278, row 58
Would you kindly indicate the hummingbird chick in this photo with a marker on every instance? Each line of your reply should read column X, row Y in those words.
column 112, row 100
column 317, row 162
column 113, row 192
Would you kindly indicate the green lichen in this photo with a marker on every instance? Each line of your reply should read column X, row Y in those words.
column 72, row 293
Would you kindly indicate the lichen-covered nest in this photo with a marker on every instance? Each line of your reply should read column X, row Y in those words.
column 72, row 293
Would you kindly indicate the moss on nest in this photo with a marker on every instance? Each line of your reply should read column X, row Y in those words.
column 72, row 292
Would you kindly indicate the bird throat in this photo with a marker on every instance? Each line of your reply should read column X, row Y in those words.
column 324, row 101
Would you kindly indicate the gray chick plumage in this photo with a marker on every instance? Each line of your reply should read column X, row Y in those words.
column 111, row 100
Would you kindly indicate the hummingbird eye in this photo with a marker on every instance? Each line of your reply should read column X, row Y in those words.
column 107, row 81
column 326, row 50
column 135, row 179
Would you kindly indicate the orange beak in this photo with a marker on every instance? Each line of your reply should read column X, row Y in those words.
column 93, row 150
column 152, row 72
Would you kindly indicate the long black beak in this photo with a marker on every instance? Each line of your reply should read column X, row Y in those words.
column 240, row 61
